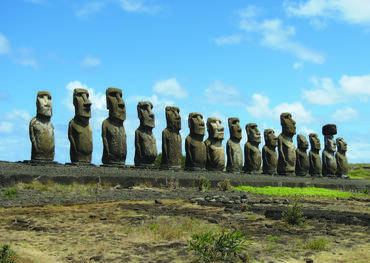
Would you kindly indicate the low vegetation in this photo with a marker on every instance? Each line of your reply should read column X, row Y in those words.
column 319, row 244
column 11, row 192
column 300, row 192
column 7, row 255
column 213, row 246
column 294, row 215
column 203, row 184
column 224, row 185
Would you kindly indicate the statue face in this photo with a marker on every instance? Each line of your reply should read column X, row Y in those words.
column 270, row 138
column 82, row 103
column 330, row 144
column 44, row 104
column 196, row 123
column 287, row 123
column 341, row 144
column 215, row 128
column 115, row 104
column 146, row 116
column 253, row 133
column 173, row 118
column 235, row 129
column 302, row 142
column 314, row 141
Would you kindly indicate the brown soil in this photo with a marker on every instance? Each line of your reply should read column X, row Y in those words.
column 148, row 231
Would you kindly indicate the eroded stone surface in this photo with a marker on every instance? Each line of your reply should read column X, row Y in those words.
column 233, row 148
column 286, row 148
column 79, row 129
column 302, row 165
column 171, row 139
column 329, row 163
column 195, row 148
column 314, row 155
column 41, row 130
column 341, row 158
column 145, row 143
column 215, row 150
column 269, row 154
column 252, row 154
column 113, row 131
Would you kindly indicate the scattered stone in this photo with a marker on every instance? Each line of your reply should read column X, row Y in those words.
column 158, row 202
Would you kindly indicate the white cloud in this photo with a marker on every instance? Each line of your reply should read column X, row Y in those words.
column 318, row 24
column 305, row 130
column 159, row 105
column 351, row 11
column 228, row 40
column 97, row 99
column 89, row 8
column 170, row 88
column 222, row 93
column 350, row 87
column 344, row 115
column 298, row 65
column 139, row 6
column 6, row 127
column 91, row 61
column 274, row 34
column 16, row 115
column 4, row 45
column 260, row 108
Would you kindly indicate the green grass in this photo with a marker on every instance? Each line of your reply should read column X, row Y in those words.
column 299, row 192
column 359, row 174
column 316, row 245
column 11, row 192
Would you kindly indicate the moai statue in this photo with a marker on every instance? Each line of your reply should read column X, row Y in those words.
column 286, row 148
column 342, row 161
column 196, row 153
column 171, row 139
column 233, row 149
column 269, row 154
column 42, row 130
column 329, row 163
column 302, row 164
column 252, row 154
column 314, row 156
column 215, row 150
column 113, row 132
column 79, row 129
column 145, row 144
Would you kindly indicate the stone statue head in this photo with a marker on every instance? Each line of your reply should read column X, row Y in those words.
column 330, row 144
column 215, row 129
column 314, row 141
column 44, row 104
column 270, row 138
column 234, row 128
column 287, row 124
column 82, row 103
column 253, row 133
column 173, row 118
column 302, row 142
column 196, row 123
column 145, row 114
column 115, row 104
column 341, row 145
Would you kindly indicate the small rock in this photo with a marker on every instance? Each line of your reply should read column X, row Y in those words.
column 216, row 197
column 199, row 199
column 213, row 200
column 244, row 200
column 103, row 218
column 237, row 202
column 212, row 220
column 231, row 202
column 265, row 201
column 159, row 202
column 309, row 260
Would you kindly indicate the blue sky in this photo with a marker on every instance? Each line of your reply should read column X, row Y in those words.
column 248, row 59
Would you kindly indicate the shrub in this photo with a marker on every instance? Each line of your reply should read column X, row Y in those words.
column 11, row 192
column 224, row 246
column 317, row 244
column 294, row 214
column 203, row 184
column 7, row 255
column 224, row 185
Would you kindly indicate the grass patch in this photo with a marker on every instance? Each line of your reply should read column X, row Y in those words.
column 319, row 244
column 50, row 186
column 224, row 185
column 359, row 173
column 299, row 192
column 11, row 192
column 294, row 214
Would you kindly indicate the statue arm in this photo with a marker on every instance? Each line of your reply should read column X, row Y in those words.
column 70, row 137
column 281, row 151
column 164, row 146
column 229, row 153
column 104, row 136
column 264, row 158
column 32, row 134
column 187, row 150
column 298, row 160
column 137, row 145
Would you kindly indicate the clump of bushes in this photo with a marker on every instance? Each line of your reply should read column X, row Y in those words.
column 316, row 245
column 11, row 192
column 225, row 246
column 294, row 215
column 224, row 185
column 203, row 184
column 7, row 255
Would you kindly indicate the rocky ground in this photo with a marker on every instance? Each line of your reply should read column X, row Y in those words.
column 153, row 225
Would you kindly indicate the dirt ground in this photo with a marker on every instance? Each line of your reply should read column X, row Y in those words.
column 148, row 231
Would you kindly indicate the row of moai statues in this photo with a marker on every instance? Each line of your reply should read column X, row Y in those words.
column 200, row 155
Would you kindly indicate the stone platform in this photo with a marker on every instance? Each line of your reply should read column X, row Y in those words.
column 12, row 173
